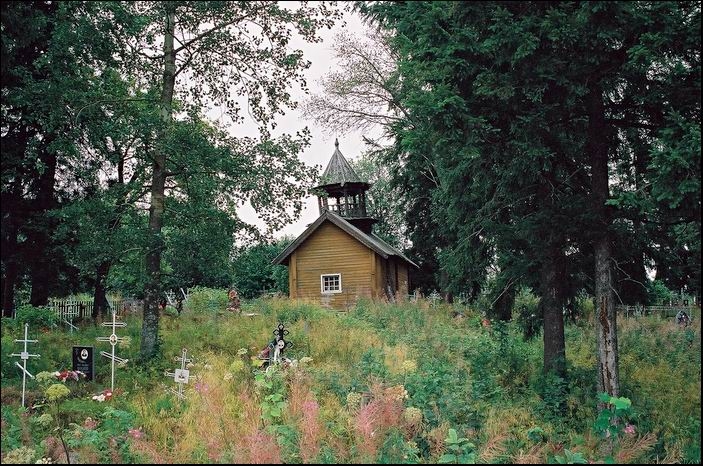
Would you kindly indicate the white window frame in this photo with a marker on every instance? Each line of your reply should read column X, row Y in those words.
column 322, row 283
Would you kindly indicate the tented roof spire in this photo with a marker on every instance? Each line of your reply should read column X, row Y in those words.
column 338, row 170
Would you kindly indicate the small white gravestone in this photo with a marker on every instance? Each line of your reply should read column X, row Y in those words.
column 180, row 376
column 24, row 356
column 113, row 339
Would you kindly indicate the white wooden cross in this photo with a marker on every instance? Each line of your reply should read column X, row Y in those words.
column 24, row 355
column 180, row 376
column 434, row 297
column 113, row 339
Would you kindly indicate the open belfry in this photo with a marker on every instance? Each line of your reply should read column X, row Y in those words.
column 338, row 258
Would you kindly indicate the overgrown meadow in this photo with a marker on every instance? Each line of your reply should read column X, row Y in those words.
column 383, row 383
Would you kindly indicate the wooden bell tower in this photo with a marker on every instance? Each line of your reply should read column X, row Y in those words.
column 344, row 192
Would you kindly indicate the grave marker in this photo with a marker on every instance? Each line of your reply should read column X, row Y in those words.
column 83, row 361
column 279, row 343
column 24, row 356
column 180, row 376
column 113, row 339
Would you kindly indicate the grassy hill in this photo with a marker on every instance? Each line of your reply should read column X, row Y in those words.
column 382, row 383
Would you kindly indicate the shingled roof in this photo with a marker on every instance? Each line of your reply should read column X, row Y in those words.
column 338, row 170
column 371, row 241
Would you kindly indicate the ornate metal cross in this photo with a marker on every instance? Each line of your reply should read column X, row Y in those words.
column 180, row 376
column 24, row 355
column 280, row 344
column 113, row 339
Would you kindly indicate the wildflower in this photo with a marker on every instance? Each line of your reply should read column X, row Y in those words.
column 353, row 400
column 44, row 461
column 100, row 398
column 305, row 360
column 242, row 351
column 409, row 365
column 413, row 416
column 21, row 455
column 397, row 392
column 90, row 423
column 201, row 387
column 45, row 419
column 629, row 429
column 135, row 433
column 57, row 391
column 45, row 377
column 237, row 366
column 228, row 376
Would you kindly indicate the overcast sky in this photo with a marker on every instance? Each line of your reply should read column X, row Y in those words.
column 322, row 143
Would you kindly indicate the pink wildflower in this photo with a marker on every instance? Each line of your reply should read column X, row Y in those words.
column 311, row 430
column 135, row 433
column 629, row 429
column 201, row 387
column 90, row 423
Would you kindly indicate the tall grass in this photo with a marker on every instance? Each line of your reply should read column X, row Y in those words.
column 376, row 384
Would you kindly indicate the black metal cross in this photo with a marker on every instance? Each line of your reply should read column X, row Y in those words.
column 280, row 332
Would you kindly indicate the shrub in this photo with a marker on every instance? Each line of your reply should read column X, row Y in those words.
column 36, row 316
column 527, row 314
column 203, row 300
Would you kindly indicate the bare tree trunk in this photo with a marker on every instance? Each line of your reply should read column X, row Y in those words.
column 552, row 300
column 9, row 277
column 606, row 323
column 8, row 288
column 100, row 303
column 41, row 266
column 150, row 326
column 503, row 304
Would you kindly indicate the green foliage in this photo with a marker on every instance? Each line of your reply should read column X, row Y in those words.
column 21, row 455
column 270, row 386
column 554, row 390
column 36, row 317
column 396, row 450
column 485, row 382
column 570, row 457
column 528, row 314
column 536, row 435
column 108, row 438
column 372, row 365
column 253, row 272
column 206, row 300
column 658, row 293
column 460, row 450
column 611, row 418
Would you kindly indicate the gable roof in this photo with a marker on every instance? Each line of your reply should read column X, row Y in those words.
column 339, row 170
column 371, row 241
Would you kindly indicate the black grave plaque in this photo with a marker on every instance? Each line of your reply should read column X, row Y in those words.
column 83, row 361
